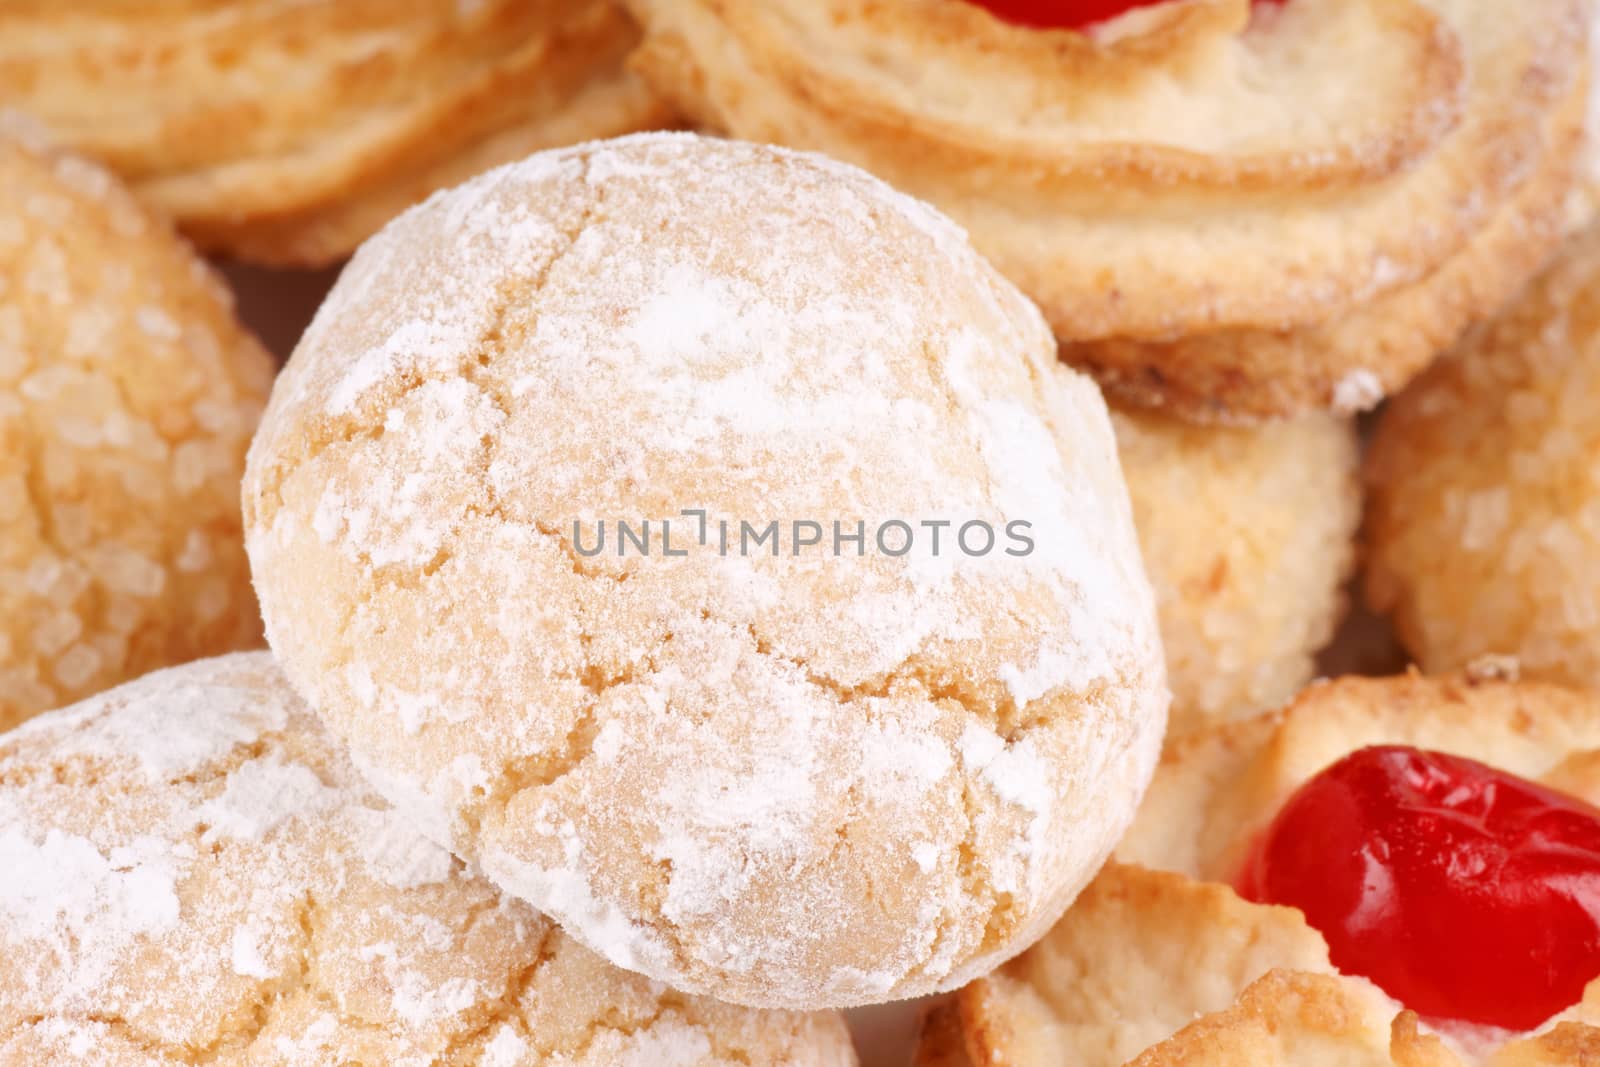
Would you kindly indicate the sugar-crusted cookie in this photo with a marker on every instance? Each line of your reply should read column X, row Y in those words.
column 194, row 873
column 1214, row 216
column 784, row 764
column 128, row 393
column 1484, row 516
column 1249, row 536
column 287, row 131
column 1162, row 962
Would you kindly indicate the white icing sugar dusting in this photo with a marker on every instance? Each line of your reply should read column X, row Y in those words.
column 461, row 307
column 245, row 953
column 396, row 853
column 263, row 794
column 420, row 1001
column 505, row 1049
column 88, row 905
column 669, row 1043
column 1015, row 772
column 312, row 1044
column 1358, row 391
column 567, row 896
column 1018, row 775
column 892, row 750
column 391, row 514
column 421, row 808
column 221, row 717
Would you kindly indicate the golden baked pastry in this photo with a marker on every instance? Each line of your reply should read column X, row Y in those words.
column 128, row 394
column 1484, row 516
column 1214, row 214
column 1249, row 536
column 194, row 873
column 287, row 131
column 1163, row 962
column 771, row 764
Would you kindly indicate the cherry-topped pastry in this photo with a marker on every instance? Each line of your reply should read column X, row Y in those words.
column 1464, row 892
column 1323, row 884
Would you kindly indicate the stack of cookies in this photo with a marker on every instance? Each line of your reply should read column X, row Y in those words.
column 683, row 588
column 793, row 771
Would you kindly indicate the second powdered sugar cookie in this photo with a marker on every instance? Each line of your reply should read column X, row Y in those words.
column 703, row 541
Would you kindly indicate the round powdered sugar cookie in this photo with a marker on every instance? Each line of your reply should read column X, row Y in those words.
column 194, row 873
column 703, row 540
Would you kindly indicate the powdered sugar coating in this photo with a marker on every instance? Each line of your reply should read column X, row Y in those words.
column 251, row 901
column 724, row 771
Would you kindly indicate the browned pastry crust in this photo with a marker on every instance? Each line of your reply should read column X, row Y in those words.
column 941, row 1039
column 1351, row 361
column 1214, row 217
column 287, row 132
column 1161, row 963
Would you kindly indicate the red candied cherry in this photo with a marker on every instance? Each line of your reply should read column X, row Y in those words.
column 1466, row 893
column 1061, row 14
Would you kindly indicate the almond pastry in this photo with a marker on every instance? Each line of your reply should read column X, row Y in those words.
column 1164, row 961
column 196, row 874
column 1249, row 536
column 1215, row 216
column 840, row 763
column 128, row 394
column 287, row 131
column 1484, row 515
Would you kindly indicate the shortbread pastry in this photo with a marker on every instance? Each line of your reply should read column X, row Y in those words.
column 194, row 873
column 1228, row 209
column 287, row 131
column 128, row 394
column 783, row 764
column 1249, row 536
column 1163, row 961
column 1484, row 516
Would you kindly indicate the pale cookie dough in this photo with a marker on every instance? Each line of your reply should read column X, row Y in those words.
column 128, row 393
column 191, row 872
column 788, row 780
